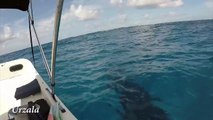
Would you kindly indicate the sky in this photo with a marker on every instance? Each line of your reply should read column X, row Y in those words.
column 86, row 16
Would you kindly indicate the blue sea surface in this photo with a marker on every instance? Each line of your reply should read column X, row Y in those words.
column 150, row 72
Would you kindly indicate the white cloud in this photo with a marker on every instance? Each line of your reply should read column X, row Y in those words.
column 154, row 3
column 84, row 12
column 12, row 38
column 146, row 16
column 209, row 3
column 44, row 28
column 18, row 31
column 120, row 20
column 116, row 2
column 172, row 13
column 122, row 17
column 171, row 3
column 143, row 3
column 7, row 34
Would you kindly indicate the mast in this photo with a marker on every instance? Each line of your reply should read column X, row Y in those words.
column 55, row 42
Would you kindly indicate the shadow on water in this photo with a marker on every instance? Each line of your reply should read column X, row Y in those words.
column 137, row 103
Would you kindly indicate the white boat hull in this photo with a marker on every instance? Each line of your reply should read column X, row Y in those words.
column 9, row 81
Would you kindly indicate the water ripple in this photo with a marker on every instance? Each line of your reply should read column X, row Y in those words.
column 170, row 63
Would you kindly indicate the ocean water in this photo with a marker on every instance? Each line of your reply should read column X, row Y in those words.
column 151, row 72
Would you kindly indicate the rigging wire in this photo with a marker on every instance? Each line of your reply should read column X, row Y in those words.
column 42, row 54
column 31, row 11
column 31, row 40
column 39, row 44
column 51, row 73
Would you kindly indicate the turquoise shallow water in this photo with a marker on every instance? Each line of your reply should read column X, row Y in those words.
column 153, row 72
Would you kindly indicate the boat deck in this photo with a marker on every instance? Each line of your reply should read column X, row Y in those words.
column 12, row 79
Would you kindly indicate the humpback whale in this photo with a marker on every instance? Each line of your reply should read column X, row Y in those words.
column 137, row 102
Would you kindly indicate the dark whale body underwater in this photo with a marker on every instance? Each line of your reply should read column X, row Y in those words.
column 137, row 102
